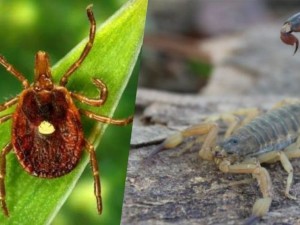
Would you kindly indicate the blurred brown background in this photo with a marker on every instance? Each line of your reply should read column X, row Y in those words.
column 219, row 47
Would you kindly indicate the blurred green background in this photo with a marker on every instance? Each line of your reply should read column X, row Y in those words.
column 56, row 27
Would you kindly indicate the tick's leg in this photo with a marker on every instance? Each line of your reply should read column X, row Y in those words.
column 86, row 50
column 8, row 103
column 230, row 119
column 208, row 129
column 248, row 113
column 14, row 72
column 5, row 118
column 290, row 152
column 94, row 165
column 108, row 120
column 93, row 102
column 285, row 162
column 262, row 205
column 293, row 151
column 4, row 152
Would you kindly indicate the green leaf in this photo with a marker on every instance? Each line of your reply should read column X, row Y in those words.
column 33, row 200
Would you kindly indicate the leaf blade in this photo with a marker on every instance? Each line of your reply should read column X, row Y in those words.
column 36, row 201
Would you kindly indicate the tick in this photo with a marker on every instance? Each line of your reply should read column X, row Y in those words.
column 47, row 134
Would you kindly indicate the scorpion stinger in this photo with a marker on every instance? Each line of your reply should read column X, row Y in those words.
column 290, row 26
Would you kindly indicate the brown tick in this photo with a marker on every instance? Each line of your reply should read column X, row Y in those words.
column 47, row 135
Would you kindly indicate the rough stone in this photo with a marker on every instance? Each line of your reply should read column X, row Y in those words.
column 186, row 190
column 255, row 62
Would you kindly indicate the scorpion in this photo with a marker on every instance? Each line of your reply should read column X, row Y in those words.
column 251, row 139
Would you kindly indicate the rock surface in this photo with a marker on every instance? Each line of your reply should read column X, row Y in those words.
column 255, row 62
column 185, row 189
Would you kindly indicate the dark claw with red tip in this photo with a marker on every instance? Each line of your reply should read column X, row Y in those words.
column 290, row 26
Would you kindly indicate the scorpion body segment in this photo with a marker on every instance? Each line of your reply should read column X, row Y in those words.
column 272, row 131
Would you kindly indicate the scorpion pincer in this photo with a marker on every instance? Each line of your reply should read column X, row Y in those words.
column 251, row 139
column 291, row 25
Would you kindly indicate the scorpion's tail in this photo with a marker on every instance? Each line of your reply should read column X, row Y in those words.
column 290, row 26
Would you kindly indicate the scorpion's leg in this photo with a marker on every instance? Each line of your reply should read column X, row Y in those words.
column 290, row 152
column 262, row 205
column 293, row 151
column 208, row 129
column 287, row 101
column 3, row 154
column 286, row 164
column 248, row 113
column 232, row 119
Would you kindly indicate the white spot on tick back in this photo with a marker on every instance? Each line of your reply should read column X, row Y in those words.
column 46, row 128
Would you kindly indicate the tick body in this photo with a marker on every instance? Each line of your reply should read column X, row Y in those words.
column 47, row 134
